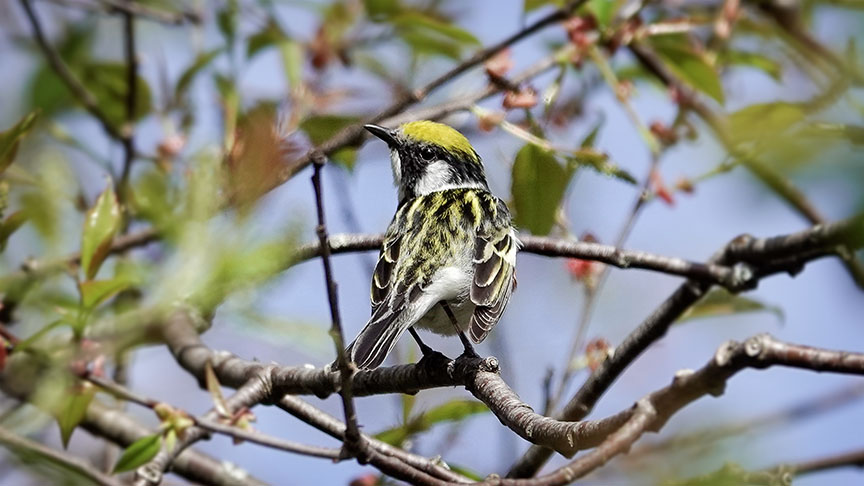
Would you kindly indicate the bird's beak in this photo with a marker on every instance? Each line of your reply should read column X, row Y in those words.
column 383, row 133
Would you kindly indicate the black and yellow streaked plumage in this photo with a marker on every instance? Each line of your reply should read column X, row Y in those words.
column 451, row 241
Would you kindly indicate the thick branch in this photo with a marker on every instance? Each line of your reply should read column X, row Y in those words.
column 656, row 325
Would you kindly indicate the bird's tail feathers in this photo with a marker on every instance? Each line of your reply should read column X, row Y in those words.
column 376, row 339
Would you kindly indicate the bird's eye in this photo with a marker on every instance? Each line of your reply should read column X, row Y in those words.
column 427, row 154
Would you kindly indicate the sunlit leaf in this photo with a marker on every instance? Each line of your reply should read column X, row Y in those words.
column 107, row 82
column 153, row 198
column 270, row 35
column 755, row 60
column 226, row 20
column 10, row 225
column 377, row 9
column 468, row 473
column 95, row 292
column 101, row 223
column 320, row 128
column 538, row 187
column 201, row 62
column 599, row 162
column 591, row 138
column 215, row 390
column 72, row 409
column 138, row 453
column 764, row 120
column 46, row 91
column 688, row 64
column 453, row 411
column 428, row 35
column 535, row 4
column 719, row 302
column 603, row 10
column 10, row 139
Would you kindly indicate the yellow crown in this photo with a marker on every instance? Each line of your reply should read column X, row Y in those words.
column 439, row 134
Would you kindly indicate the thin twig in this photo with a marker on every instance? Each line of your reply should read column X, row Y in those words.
column 353, row 443
column 152, row 473
column 131, row 98
column 79, row 92
column 766, row 174
column 353, row 134
column 393, row 460
column 124, row 393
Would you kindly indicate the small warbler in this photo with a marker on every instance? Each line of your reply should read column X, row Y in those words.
column 448, row 259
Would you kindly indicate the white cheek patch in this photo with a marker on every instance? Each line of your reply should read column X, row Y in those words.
column 436, row 177
column 396, row 164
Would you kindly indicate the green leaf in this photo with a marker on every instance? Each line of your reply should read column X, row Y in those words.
column 101, row 223
column 591, row 138
column 226, row 20
column 72, row 410
column 215, row 390
column 107, row 82
column 11, row 138
column 378, row 9
column 765, row 120
column 10, row 225
column 599, row 162
column 268, row 36
column 754, row 60
column 95, row 292
column 320, row 128
column 201, row 62
column 719, row 302
column 535, row 4
column 603, row 10
column 538, row 186
column 688, row 64
column 453, row 411
column 293, row 58
column 138, row 453
column 428, row 35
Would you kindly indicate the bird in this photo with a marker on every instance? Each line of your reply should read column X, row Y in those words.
column 447, row 262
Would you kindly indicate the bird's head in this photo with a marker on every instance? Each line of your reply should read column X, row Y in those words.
column 429, row 157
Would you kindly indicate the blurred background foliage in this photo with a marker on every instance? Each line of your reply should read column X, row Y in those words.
column 221, row 99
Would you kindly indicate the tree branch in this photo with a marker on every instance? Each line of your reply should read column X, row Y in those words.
column 249, row 394
column 353, row 134
column 656, row 325
column 131, row 98
column 768, row 175
column 353, row 444
column 16, row 443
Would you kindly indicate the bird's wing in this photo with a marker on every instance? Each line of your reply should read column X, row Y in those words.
column 494, row 277
column 384, row 269
column 401, row 277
